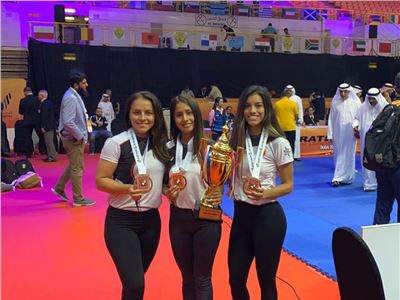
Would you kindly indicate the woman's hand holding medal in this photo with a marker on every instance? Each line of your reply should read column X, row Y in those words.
column 135, row 193
column 172, row 192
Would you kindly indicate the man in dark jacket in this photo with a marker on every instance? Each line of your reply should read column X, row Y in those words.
column 29, row 108
column 47, row 125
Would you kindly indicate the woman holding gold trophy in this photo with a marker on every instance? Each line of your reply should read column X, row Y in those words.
column 259, row 223
column 130, row 169
column 194, row 241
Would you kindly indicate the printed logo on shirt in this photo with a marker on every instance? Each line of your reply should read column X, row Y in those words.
column 287, row 151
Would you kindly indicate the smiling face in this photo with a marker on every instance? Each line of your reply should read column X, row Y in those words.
column 254, row 113
column 184, row 118
column 141, row 116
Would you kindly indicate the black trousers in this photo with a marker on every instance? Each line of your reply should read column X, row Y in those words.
column 194, row 244
column 28, row 133
column 388, row 191
column 132, row 239
column 291, row 137
column 257, row 232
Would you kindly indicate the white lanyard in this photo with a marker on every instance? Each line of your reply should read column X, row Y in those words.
column 179, row 164
column 140, row 160
column 255, row 163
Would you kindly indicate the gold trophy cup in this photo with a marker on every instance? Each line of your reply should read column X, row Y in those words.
column 216, row 162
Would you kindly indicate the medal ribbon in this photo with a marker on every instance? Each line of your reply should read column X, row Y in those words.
column 255, row 162
column 140, row 160
column 182, row 165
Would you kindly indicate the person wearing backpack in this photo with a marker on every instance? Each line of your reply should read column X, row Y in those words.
column 74, row 134
column 388, row 180
column 367, row 113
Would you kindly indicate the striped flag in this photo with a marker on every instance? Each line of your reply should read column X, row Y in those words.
column 217, row 8
column 394, row 19
column 343, row 15
column 209, row 40
column 243, row 10
column 261, row 43
column 359, row 46
column 311, row 45
column 43, row 32
column 86, row 34
column 324, row 14
column 375, row 19
column 289, row 13
column 385, row 47
column 310, row 14
column 150, row 38
column 265, row 12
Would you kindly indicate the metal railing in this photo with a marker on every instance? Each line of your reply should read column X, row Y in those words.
column 202, row 39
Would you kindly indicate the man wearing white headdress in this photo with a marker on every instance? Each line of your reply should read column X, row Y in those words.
column 358, row 90
column 387, row 90
column 299, row 121
column 344, row 107
column 108, row 111
column 369, row 110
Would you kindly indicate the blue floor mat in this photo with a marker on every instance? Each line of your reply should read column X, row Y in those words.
column 314, row 209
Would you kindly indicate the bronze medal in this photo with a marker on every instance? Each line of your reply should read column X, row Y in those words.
column 177, row 179
column 143, row 183
column 251, row 184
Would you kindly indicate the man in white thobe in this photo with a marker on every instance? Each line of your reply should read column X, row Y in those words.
column 369, row 110
column 344, row 107
column 107, row 108
column 299, row 122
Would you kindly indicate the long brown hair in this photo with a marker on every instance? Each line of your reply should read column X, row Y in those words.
column 198, row 120
column 269, row 122
column 158, row 132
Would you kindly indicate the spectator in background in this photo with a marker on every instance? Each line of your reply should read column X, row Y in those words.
column 99, row 125
column 286, row 32
column 287, row 41
column 229, row 117
column 387, row 91
column 203, row 93
column 107, row 109
column 229, row 33
column 216, row 118
column 344, row 107
column 29, row 107
column 115, row 103
column 187, row 92
column 48, row 125
column 287, row 113
column 317, row 100
column 215, row 93
column 270, row 32
column 309, row 118
column 358, row 91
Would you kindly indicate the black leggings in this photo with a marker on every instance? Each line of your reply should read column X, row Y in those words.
column 291, row 137
column 132, row 239
column 194, row 244
column 257, row 231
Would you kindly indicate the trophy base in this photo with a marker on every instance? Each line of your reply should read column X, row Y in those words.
column 210, row 214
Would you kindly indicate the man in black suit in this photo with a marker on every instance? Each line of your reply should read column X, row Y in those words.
column 47, row 125
column 310, row 119
column 29, row 108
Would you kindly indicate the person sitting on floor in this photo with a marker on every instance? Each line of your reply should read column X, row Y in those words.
column 99, row 125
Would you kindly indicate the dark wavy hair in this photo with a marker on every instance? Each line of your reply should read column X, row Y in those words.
column 198, row 120
column 159, row 134
column 269, row 122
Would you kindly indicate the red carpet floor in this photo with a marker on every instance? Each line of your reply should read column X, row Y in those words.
column 51, row 250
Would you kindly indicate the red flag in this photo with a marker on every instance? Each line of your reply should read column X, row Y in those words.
column 150, row 38
column 385, row 47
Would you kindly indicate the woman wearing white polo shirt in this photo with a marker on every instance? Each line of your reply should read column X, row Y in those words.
column 194, row 242
column 259, row 223
column 131, row 169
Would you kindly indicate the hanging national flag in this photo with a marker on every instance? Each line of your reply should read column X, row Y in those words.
column 261, row 43
column 243, row 11
column 287, row 44
column 311, row 44
column 310, row 14
column 150, row 38
column 190, row 6
column 119, row 34
column 343, row 15
column 289, row 13
column 394, row 19
column 385, row 47
column 237, row 42
column 217, row 8
column 209, row 40
column 324, row 13
column 336, row 46
column 43, row 32
column 180, row 40
column 359, row 46
column 375, row 19
column 86, row 34
column 265, row 12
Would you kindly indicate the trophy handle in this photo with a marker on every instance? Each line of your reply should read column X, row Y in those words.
column 239, row 159
column 202, row 151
